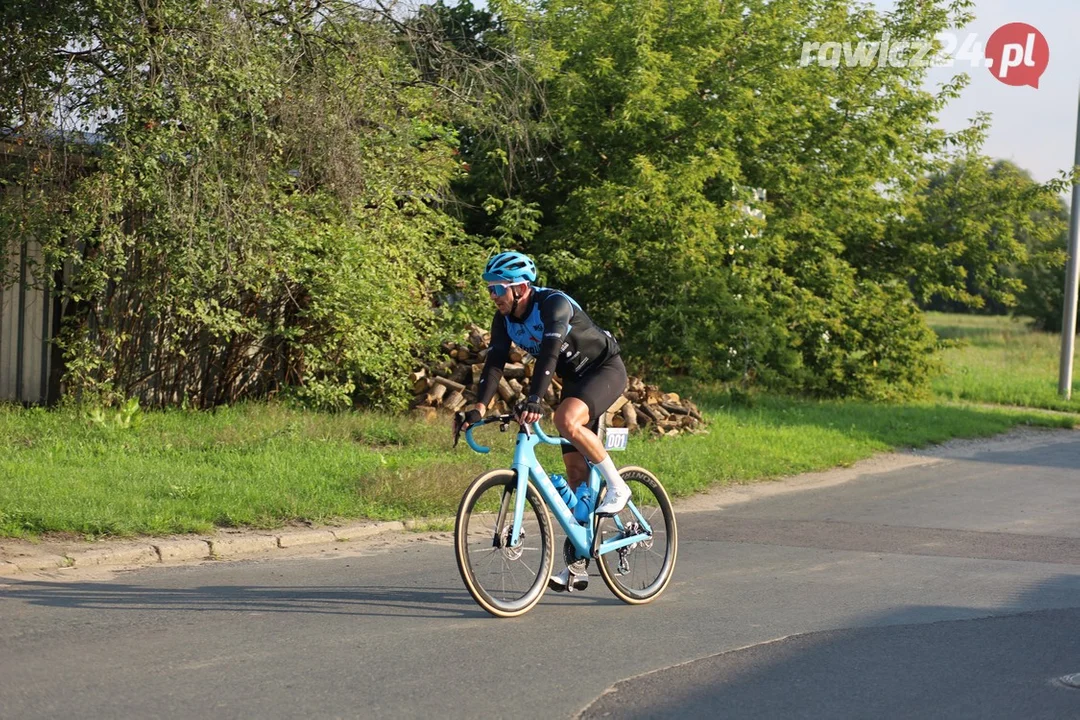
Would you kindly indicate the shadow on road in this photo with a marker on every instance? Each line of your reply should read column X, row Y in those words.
column 355, row 600
column 913, row 662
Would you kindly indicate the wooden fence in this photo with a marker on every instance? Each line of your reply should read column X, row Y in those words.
column 28, row 314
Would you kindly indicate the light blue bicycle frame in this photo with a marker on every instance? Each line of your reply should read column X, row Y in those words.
column 527, row 467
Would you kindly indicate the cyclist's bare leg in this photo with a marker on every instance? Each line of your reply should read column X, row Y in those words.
column 572, row 420
column 577, row 471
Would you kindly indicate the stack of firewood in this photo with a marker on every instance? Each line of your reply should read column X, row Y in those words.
column 450, row 384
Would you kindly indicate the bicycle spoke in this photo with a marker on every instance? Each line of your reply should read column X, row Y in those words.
column 504, row 577
column 639, row 571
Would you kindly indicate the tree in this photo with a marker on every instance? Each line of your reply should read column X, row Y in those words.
column 1043, row 297
column 662, row 113
column 263, row 208
column 977, row 230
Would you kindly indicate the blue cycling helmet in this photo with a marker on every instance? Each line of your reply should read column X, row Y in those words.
column 511, row 267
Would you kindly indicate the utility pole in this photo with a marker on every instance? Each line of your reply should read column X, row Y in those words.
column 1072, row 278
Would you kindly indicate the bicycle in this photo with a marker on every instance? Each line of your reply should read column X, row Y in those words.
column 505, row 554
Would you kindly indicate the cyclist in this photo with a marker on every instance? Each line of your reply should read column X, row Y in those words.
column 554, row 329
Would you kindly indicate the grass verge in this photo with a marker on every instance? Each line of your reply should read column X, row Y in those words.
column 999, row 360
column 267, row 465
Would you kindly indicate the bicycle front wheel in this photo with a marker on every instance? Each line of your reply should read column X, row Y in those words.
column 638, row 573
column 506, row 579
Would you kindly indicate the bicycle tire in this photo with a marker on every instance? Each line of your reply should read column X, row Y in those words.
column 654, row 504
column 478, row 553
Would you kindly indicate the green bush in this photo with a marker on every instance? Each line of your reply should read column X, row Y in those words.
column 261, row 206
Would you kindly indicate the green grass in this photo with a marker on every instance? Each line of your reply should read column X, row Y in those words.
column 999, row 360
column 268, row 465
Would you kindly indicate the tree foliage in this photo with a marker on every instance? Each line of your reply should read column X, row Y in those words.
column 239, row 197
column 263, row 204
column 662, row 116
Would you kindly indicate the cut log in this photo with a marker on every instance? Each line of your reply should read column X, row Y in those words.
column 514, row 371
column 461, row 374
column 505, row 391
column 476, row 338
column 649, row 412
column 437, row 393
column 450, row 384
column 454, row 401
column 675, row 409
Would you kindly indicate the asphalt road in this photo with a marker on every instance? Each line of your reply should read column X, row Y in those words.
column 949, row 589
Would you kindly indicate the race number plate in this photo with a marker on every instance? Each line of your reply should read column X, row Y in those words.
column 615, row 438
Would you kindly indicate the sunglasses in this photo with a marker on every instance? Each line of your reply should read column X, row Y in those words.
column 500, row 289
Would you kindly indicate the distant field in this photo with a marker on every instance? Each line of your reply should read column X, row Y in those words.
column 1000, row 360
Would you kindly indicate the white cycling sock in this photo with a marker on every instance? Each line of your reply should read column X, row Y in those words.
column 611, row 475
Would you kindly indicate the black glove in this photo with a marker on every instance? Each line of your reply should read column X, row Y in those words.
column 532, row 405
column 462, row 420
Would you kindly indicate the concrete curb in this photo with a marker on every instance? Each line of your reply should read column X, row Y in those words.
column 180, row 550
column 45, row 561
column 145, row 555
column 20, row 557
column 314, row 537
column 243, row 545
column 365, row 530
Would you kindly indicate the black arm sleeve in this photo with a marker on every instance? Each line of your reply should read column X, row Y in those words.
column 498, row 354
column 556, row 314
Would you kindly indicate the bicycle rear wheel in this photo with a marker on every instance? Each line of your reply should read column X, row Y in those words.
column 638, row 573
column 506, row 580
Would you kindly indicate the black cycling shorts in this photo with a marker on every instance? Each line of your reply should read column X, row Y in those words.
column 599, row 388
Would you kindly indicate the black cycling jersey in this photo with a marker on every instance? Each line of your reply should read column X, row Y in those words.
column 557, row 332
